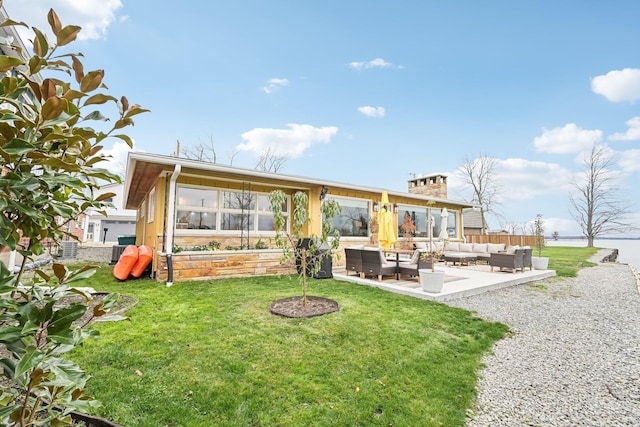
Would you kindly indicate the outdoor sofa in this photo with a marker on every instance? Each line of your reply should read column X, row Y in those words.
column 481, row 251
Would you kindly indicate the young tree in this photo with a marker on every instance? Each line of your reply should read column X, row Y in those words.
column 309, row 257
column 480, row 174
column 48, row 157
column 598, row 206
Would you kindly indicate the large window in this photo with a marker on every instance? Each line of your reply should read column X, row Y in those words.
column 223, row 210
column 353, row 221
column 197, row 208
column 419, row 216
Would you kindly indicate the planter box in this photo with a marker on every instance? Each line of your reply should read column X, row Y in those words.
column 431, row 281
column 205, row 265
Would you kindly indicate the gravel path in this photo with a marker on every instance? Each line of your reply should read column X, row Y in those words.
column 574, row 356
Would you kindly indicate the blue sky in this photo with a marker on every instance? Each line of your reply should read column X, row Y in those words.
column 371, row 92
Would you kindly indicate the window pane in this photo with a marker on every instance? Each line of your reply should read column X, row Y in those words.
column 236, row 200
column 237, row 222
column 354, row 219
column 265, row 222
column 197, row 197
column 417, row 215
column 196, row 220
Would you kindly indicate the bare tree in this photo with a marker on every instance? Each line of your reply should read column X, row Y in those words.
column 480, row 174
column 205, row 152
column 598, row 206
column 231, row 156
column 271, row 161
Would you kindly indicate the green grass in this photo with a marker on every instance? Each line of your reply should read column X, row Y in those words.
column 567, row 260
column 211, row 354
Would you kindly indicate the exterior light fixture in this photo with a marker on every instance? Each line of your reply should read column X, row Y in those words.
column 323, row 192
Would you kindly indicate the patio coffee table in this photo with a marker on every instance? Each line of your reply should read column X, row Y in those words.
column 463, row 259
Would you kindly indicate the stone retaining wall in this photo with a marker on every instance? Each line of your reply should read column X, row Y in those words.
column 203, row 265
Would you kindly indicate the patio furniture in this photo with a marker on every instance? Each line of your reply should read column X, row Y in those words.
column 482, row 251
column 353, row 260
column 417, row 262
column 526, row 258
column 462, row 258
column 511, row 261
column 374, row 263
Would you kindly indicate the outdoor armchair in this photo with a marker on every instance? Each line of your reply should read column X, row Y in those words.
column 509, row 261
column 418, row 261
column 353, row 260
column 374, row 263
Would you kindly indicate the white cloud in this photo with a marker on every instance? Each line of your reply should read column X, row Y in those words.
column 374, row 63
column 274, row 85
column 369, row 111
column 519, row 179
column 568, row 139
column 291, row 142
column 94, row 16
column 630, row 160
column 526, row 179
column 618, row 85
column 632, row 134
column 118, row 161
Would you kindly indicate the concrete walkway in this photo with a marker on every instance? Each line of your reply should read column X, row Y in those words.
column 459, row 281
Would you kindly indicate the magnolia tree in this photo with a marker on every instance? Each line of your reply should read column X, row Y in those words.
column 309, row 257
column 49, row 154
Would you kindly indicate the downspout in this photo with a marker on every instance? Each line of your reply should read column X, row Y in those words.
column 171, row 222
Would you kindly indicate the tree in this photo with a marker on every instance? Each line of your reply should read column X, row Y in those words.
column 598, row 206
column 309, row 257
column 480, row 174
column 49, row 157
column 270, row 161
column 201, row 151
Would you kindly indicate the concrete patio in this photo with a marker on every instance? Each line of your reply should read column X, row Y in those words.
column 460, row 281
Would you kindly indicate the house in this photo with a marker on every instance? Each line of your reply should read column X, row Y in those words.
column 183, row 203
column 96, row 227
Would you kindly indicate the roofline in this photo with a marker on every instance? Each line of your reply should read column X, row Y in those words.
column 172, row 161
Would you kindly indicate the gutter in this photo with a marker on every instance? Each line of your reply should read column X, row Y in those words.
column 171, row 213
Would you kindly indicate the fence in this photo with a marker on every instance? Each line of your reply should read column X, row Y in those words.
column 507, row 239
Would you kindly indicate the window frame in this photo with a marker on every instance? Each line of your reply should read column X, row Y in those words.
column 255, row 214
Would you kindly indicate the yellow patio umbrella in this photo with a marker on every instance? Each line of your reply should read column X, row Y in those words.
column 386, row 232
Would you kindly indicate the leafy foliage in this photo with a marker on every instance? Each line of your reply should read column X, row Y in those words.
column 309, row 257
column 48, row 155
column 538, row 232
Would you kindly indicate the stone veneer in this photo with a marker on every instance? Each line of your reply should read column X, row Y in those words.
column 203, row 265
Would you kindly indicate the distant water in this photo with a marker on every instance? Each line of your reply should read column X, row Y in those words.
column 628, row 250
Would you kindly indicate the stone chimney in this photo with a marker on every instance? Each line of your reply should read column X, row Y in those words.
column 431, row 185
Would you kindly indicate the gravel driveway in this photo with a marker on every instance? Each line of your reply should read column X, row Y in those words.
column 574, row 356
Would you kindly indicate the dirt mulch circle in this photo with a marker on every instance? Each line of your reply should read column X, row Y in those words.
column 293, row 307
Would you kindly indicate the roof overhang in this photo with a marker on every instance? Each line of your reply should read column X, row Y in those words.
column 143, row 170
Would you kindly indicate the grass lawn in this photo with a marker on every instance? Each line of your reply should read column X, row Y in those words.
column 210, row 354
column 567, row 260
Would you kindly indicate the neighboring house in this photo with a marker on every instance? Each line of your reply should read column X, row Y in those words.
column 118, row 222
column 184, row 203
column 472, row 222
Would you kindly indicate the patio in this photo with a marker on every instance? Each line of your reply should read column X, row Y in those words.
column 460, row 281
